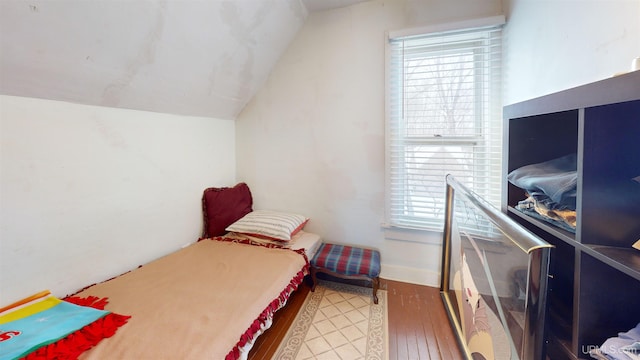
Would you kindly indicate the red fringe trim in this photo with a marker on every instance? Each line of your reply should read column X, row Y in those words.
column 267, row 314
column 74, row 344
column 244, row 241
column 88, row 286
column 275, row 305
column 90, row 301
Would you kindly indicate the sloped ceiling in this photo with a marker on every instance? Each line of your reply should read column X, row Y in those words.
column 188, row 57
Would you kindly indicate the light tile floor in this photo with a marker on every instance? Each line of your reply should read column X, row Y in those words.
column 339, row 328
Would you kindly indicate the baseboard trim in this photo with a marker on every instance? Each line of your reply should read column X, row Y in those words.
column 411, row 275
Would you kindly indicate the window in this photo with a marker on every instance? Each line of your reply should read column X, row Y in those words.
column 444, row 116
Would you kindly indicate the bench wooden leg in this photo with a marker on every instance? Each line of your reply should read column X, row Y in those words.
column 376, row 285
column 314, row 280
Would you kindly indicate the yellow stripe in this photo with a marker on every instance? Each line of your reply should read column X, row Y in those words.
column 26, row 300
column 42, row 305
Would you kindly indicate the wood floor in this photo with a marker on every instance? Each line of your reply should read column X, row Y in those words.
column 418, row 324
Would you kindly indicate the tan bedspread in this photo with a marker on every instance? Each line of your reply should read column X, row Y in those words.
column 194, row 303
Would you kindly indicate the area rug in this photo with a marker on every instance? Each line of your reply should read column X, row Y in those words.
column 338, row 321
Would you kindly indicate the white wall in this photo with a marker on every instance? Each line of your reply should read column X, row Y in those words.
column 88, row 192
column 312, row 140
column 559, row 44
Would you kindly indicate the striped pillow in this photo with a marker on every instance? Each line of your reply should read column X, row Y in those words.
column 268, row 224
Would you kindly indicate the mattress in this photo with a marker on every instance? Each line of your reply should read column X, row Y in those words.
column 310, row 242
column 206, row 301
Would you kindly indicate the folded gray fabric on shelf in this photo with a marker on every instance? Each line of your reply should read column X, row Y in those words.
column 555, row 179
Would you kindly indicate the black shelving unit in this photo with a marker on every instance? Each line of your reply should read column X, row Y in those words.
column 594, row 287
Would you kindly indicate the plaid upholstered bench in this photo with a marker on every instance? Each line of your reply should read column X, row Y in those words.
column 347, row 262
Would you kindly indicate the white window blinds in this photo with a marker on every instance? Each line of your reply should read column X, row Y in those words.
column 444, row 116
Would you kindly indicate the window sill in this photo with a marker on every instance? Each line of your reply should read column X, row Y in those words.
column 422, row 236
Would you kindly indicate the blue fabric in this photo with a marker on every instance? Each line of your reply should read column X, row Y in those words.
column 46, row 327
column 553, row 182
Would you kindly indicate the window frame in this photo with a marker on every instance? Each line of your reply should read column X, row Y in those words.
column 479, row 113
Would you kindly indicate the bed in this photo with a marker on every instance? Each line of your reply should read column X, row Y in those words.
column 213, row 298
column 201, row 302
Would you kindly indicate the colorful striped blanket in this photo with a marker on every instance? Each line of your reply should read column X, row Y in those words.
column 43, row 326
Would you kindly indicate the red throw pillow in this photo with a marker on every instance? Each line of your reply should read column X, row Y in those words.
column 222, row 207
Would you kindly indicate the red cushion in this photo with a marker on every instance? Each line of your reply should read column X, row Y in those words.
column 222, row 207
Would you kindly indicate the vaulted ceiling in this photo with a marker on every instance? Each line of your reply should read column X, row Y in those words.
column 188, row 57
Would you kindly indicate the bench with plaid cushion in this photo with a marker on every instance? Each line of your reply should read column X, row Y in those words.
column 347, row 262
